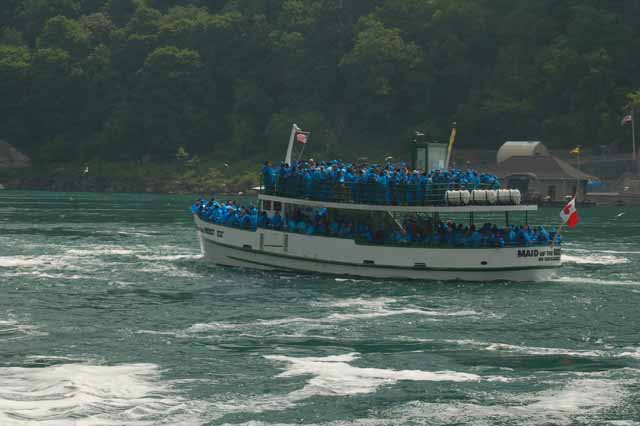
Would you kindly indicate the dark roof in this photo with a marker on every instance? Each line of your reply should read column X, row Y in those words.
column 540, row 166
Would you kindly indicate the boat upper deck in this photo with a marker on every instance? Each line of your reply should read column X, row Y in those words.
column 387, row 188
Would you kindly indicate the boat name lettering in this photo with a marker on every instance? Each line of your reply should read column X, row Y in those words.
column 528, row 253
column 544, row 255
column 214, row 232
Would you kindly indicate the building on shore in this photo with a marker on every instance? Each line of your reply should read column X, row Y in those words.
column 540, row 176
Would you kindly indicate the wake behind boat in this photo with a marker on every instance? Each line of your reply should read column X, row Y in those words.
column 425, row 222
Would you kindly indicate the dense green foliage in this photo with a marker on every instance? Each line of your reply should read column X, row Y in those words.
column 137, row 79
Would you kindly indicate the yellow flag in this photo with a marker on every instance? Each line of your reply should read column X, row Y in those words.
column 575, row 151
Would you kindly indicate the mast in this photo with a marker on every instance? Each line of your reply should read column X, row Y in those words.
column 578, row 177
column 633, row 132
column 294, row 129
column 452, row 140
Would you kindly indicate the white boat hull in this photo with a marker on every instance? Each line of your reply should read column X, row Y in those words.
column 280, row 251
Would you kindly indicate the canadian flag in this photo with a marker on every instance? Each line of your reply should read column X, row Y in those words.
column 569, row 213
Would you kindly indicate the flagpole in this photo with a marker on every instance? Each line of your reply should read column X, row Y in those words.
column 633, row 132
column 578, row 179
column 555, row 237
column 287, row 159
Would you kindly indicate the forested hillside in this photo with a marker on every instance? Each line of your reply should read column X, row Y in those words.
column 133, row 79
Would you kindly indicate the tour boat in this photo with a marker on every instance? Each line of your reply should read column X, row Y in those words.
column 269, row 249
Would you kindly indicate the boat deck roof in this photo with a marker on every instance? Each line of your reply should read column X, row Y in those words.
column 402, row 209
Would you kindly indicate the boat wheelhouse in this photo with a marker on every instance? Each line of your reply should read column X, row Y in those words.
column 380, row 229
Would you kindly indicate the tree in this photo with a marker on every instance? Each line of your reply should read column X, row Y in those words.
column 66, row 34
column 379, row 71
column 170, row 101
column 34, row 13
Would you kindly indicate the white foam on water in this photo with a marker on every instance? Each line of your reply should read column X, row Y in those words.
column 159, row 333
column 212, row 326
column 63, row 266
column 374, row 303
column 31, row 261
column 378, row 307
column 609, row 352
column 101, row 250
column 253, row 404
column 595, row 259
column 603, row 251
column 135, row 233
column 368, row 309
column 319, row 322
column 388, row 313
column 167, row 269
column 68, row 359
column 37, row 274
column 528, row 350
column 350, row 280
column 170, row 257
column 11, row 329
column 577, row 402
column 86, row 395
column 334, row 376
column 86, row 256
column 630, row 352
column 590, row 280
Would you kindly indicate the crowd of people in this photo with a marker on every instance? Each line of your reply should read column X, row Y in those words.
column 227, row 213
column 413, row 230
column 459, row 235
column 392, row 184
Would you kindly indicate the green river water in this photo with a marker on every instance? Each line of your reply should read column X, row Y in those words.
column 109, row 316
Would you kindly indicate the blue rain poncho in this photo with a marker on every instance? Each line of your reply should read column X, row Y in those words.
column 276, row 221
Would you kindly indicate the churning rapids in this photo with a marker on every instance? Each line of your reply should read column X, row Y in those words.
column 108, row 316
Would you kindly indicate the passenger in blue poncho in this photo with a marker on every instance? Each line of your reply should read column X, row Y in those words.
column 335, row 227
column 413, row 183
column 195, row 208
column 346, row 230
column 276, row 221
column 263, row 220
column 400, row 237
column 523, row 237
column 458, row 236
column 364, row 232
column 321, row 227
column 268, row 177
column 542, row 235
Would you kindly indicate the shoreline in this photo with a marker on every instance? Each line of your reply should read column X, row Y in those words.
column 202, row 178
column 105, row 185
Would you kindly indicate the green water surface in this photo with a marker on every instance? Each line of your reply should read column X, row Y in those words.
column 109, row 316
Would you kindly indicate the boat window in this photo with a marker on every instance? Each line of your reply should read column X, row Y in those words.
column 277, row 206
column 266, row 205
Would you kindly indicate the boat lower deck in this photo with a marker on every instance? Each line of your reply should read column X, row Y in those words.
column 275, row 250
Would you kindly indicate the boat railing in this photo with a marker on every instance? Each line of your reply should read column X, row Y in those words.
column 372, row 193
column 464, row 245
